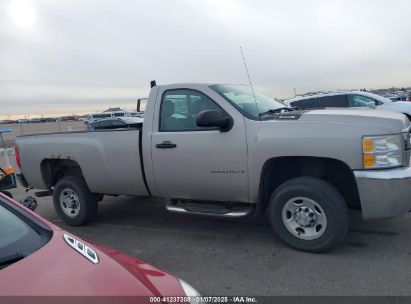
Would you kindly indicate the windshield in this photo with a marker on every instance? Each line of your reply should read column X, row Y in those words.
column 18, row 239
column 242, row 97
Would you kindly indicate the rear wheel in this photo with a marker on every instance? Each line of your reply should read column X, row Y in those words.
column 309, row 214
column 73, row 201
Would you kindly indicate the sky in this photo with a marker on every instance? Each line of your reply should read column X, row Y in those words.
column 75, row 56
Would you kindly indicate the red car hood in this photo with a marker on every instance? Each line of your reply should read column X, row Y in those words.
column 57, row 269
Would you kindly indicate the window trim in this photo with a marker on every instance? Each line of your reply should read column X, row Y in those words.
column 188, row 130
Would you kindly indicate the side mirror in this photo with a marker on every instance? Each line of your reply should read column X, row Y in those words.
column 141, row 104
column 214, row 118
column 370, row 104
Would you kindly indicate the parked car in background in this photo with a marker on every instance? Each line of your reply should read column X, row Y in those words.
column 224, row 150
column 119, row 114
column 115, row 123
column 54, row 262
column 9, row 121
column 394, row 98
column 141, row 107
column 98, row 116
column 397, row 96
column 83, row 118
column 409, row 96
column 68, row 118
column 351, row 99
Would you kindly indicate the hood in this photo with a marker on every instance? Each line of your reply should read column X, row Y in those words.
column 394, row 122
column 58, row 270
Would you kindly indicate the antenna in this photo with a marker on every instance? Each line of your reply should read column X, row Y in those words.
column 249, row 79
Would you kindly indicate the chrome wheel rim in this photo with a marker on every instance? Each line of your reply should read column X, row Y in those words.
column 304, row 218
column 69, row 202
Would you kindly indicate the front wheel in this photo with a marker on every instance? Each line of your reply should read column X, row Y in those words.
column 73, row 201
column 309, row 214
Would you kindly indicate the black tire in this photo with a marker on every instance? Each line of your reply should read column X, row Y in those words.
column 87, row 201
column 323, row 194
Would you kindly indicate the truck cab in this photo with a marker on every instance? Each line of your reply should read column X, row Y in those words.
column 191, row 161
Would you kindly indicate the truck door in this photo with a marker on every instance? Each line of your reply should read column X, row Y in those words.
column 191, row 162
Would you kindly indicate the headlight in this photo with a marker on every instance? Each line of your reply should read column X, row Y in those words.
column 189, row 291
column 382, row 151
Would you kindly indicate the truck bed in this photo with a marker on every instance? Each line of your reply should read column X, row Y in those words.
column 109, row 159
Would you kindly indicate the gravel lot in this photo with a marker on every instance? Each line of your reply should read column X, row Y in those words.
column 237, row 257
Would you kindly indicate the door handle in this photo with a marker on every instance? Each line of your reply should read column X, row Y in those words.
column 166, row 145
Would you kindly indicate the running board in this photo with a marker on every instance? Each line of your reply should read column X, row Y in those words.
column 208, row 209
column 43, row 193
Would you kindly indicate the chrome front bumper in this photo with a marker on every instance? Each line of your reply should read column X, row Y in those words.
column 384, row 193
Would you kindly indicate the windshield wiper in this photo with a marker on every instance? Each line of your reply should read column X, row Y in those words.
column 10, row 259
column 278, row 110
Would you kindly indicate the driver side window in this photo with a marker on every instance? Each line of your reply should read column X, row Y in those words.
column 180, row 108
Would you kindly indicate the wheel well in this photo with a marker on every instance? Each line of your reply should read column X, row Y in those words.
column 278, row 170
column 52, row 170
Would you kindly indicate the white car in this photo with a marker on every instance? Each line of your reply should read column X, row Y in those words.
column 355, row 99
column 115, row 123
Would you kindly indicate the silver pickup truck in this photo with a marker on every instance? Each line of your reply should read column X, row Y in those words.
column 226, row 150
